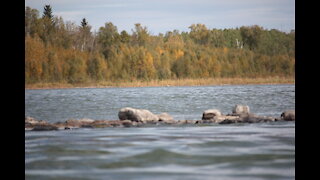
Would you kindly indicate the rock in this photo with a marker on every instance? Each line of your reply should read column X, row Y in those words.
column 240, row 109
column 229, row 121
column 165, row 118
column 44, row 127
column 288, row 115
column 138, row 115
column 79, row 123
column 30, row 120
column 101, row 124
column 186, row 122
column 246, row 118
column 253, row 118
column 218, row 119
column 116, row 123
column 61, row 125
column 210, row 114
column 205, row 121
column 127, row 123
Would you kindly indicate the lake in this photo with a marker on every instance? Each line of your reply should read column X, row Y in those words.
column 205, row 151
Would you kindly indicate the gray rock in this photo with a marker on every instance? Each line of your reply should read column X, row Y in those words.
column 138, row 115
column 241, row 109
column 210, row 114
column 288, row 115
column 165, row 118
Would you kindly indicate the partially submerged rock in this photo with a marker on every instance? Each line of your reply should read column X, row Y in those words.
column 130, row 117
column 79, row 121
column 240, row 109
column 44, row 127
column 30, row 120
column 165, row 118
column 288, row 115
column 210, row 114
column 247, row 118
column 137, row 115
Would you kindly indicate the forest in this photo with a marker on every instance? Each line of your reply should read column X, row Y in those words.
column 58, row 51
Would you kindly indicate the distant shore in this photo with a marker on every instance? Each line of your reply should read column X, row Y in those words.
column 168, row 82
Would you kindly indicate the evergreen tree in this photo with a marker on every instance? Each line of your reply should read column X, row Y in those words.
column 47, row 12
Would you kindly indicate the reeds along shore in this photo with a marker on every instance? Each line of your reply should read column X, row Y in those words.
column 168, row 82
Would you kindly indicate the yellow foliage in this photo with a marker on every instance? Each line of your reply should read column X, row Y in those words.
column 178, row 53
column 159, row 50
column 225, row 50
column 35, row 54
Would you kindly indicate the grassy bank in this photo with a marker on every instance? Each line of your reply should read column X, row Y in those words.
column 170, row 82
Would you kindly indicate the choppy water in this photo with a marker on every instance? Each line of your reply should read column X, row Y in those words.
column 236, row 151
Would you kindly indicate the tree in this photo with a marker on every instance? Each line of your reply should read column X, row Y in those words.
column 31, row 21
column 48, row 25
column 58, row 51
column 199, row 33
column 47, row 12
column 124, row 37
column 108, row 36
column 84, row 23
column 85, row 35
column 140, row 35
column 251, row 36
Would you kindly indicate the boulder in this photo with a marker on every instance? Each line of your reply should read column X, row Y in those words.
column 288, row 115
column 241, row 109
column 210, row 114
column 137, row 115
column 166, row 118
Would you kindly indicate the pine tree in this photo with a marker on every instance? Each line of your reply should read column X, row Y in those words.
column 47, row 13
column 84, row 23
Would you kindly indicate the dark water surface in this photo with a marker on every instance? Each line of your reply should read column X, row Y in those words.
column 237, row 151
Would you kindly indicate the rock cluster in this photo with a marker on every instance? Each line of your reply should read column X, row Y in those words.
column 131, row 117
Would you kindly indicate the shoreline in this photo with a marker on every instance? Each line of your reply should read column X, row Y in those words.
column 166, row 83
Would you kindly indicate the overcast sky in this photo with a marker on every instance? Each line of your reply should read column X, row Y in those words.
column 161, row 16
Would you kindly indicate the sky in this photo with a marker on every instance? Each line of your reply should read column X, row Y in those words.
column 160, row 16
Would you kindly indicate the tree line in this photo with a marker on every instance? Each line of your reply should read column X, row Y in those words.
column 59, row 51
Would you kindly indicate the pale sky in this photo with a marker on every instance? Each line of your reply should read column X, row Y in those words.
column 160, row 16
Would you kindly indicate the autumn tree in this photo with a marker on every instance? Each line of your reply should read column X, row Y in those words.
column 59, row 51
column 31, row 21
column 199, row 33
column 140, row 35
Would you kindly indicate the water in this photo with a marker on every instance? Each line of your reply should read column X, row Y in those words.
column 236, row 151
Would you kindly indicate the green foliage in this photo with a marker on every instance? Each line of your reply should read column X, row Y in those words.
column 251, row 36
column 108, row 36
column 58, row 51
